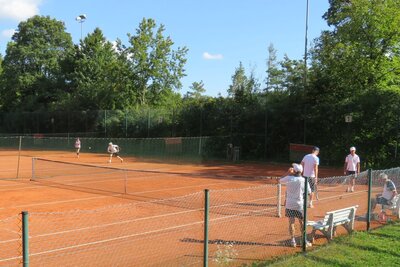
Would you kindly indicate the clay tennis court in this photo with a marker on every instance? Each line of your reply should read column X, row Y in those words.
column 150, row 214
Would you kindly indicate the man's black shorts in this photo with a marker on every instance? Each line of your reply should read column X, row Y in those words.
column 294, row 214
column 311, row 182
column 350, row 172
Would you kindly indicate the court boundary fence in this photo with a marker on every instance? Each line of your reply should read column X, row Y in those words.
column 369, row 177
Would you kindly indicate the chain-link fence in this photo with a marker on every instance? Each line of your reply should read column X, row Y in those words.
column 225, row 227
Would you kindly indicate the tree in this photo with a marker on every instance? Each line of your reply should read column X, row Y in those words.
column 355, row 65
column 274, row 74
column 32, row 66
column 101, row 78
column 197, row 89
column 156, row 66
column 1, row 65
column 363, row 48
column 243, row 88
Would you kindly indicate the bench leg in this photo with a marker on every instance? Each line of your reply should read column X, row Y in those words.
column 312, row 236
column 330, row 233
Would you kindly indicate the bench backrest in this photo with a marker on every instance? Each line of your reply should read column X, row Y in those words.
column 340, row 215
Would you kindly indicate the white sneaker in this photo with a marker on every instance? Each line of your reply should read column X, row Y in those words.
column 308, row 244
column 109, row 161
column 293, row 243
column 352, row 189
column 310, row 205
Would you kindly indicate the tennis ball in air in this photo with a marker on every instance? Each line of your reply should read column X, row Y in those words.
column 90, row 147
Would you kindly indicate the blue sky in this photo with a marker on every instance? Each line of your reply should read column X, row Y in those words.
column 218, row 33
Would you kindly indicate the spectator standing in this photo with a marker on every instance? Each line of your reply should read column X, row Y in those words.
column 310, row 165
column 352, row 167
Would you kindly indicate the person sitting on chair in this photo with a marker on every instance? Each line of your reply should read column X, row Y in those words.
column 388, row 193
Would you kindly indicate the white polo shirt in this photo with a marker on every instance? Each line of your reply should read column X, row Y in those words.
column 294, row 191
column 113, row 149
column 352, row 162
column 309, row 162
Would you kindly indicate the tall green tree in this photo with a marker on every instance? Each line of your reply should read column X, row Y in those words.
column 362, row 50
column 32, row 65
column 196, row 90
column 356, row 65
column 100, row 78
column 243, row 88
column 274, row 77
column 157, row 67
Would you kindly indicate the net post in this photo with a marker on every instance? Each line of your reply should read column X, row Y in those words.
column 206, row 214
column 279, row 199
column 369, row 199
column 19, row 155
column 33, row 168
column 25, row 238
column 305, row 202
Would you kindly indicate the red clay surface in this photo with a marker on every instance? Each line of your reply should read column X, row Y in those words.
column 122, row 218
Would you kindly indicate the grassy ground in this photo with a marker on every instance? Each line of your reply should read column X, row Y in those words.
column 380, row 247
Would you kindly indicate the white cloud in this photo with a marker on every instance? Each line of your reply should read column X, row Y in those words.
column 209, row 56
column 7, row 33
column 19, row 9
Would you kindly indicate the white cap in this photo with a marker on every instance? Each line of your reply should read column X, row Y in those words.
column 352, row 148
column 110, row 144
column 383, row 176
column 297, row 167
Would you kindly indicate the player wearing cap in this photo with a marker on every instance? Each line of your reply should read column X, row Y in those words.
column 113, row 150
column 352, row 167
column 310, row 165
column 388, row 193
column 295, row 186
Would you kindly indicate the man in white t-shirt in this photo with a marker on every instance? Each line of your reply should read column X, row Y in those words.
column 352, row 167
column 77, row 146
column 295, row 186
column 113, row 150
column 310, row 165
column 388, row 193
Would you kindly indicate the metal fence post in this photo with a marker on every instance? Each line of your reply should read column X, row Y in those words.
column 305, row 199
column 25, row 239
column 279, row 201
column 206, row 211
column 369, row 199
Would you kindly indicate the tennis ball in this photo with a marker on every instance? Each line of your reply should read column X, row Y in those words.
column 90, row 147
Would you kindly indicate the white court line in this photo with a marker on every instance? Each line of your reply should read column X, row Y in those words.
column 13, row 184
column 56, row 202
column 132, row 235
column 67, row 184
column 119, row 177
column 347, row 195
column 97, row 197
column 74, row 182
column 175, row 188
column 144, row 218
column 20, row 188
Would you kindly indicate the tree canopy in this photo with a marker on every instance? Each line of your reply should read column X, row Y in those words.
column 354, row 70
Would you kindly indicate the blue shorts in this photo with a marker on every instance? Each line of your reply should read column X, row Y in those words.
column 383, row 201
